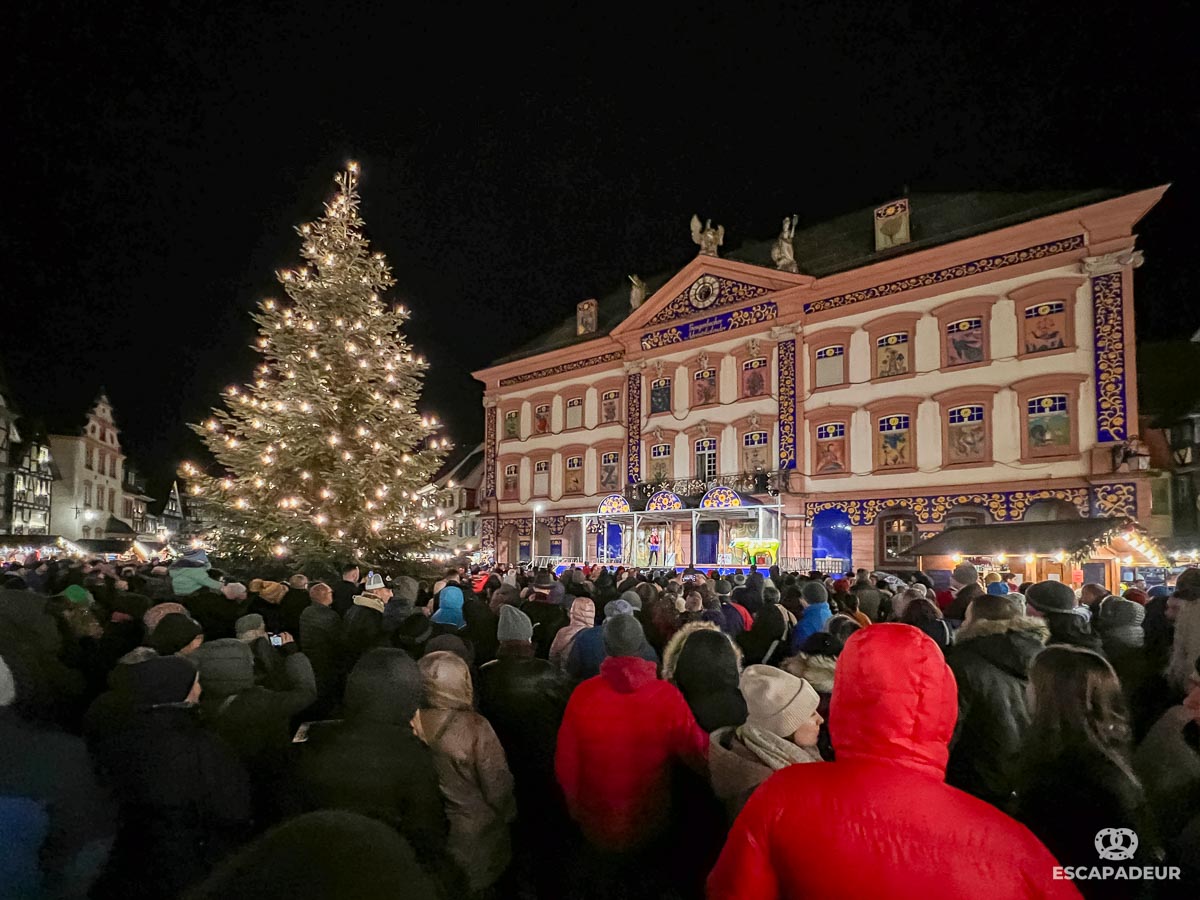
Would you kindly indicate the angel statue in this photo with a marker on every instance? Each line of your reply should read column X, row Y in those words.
column 783, row 254
column 708, row 238
column 637, row 292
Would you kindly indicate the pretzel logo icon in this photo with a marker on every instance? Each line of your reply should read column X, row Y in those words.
column 1116, row 844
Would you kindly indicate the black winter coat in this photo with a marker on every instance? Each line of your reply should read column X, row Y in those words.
column 524, row 700
column 185, row 804
column 1066, row 802
column 381, row 770
column 990, row 661
column 547, row 618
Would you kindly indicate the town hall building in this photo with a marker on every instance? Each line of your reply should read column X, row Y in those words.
column 837, row 394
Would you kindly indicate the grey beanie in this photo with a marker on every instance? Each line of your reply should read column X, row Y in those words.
column 250, row 622
column 617, row 607
column 814, row 592
column 632, row 598
column 1117, row 612
column 226, row 667
column 405, row 588
column 514, row 625
column 623, row 636
column 965, row 573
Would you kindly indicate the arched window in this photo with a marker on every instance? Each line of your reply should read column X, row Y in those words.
column 962, row 516
column 573, row 483
column 1051, row 511
column 706, row 458
column 541, row 478
column 897, row 536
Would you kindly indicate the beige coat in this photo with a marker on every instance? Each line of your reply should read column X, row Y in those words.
column 472, row 772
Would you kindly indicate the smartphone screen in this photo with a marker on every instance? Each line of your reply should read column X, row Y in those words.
column 276, row 640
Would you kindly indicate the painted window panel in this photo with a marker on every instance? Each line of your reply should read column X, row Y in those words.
column 541, row 478
column 964, row 342
column 756, row 451
column 704, row 387
column 831, row 366
column 512, row 424
column 754, row 377
column 1048, row 420
column 575, row 412
column 831, row 448
column 1045, row 327
column 541, row 419
column 892, row 355
column 661, row 468
column 610, row 471
column 895, row 442
column 660, row 395
column 510, row 481
column 610, row 406
column 573, row 482
column 966, row 432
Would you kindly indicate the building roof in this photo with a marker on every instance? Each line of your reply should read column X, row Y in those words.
column 848, row 242
column 1069, row 535
column 116, row 526
column 465, row 469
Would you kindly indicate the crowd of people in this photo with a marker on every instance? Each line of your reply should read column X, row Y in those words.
column 176, row 731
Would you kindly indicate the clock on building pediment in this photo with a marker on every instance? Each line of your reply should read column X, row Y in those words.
column 704, row 292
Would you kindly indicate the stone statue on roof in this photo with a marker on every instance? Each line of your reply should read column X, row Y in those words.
column 637, row 291
column 707, row 237
column 783, row 253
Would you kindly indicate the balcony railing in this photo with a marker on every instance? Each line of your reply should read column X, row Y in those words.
column 773, row 483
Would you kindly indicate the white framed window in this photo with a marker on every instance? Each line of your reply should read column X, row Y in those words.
column 660, row 462
column 512, row 423
column 610, row 406
column 706, row 458
column 541, row 478
column 830, row 368
column 541, row 419
column 610, row 471
column 511, row 479
column 756, row 450
column 573, row 482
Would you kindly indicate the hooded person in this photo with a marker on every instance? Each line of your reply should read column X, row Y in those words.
column 449, row 613
column 327, row 854
column 506, row 594
column 705, row 665
column 582, row 616
column 621, row 736
column 189, row 573
column 473, row 775
column 547, row 617
column 766, row 639
column 816, row 613
column 781, row 729
column 184, row 797
column 1055, row 602
column 990, row 659
column 373, row 762
column 891, row 826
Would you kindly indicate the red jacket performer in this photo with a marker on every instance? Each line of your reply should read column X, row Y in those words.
column 622, row 732
column 889, row 825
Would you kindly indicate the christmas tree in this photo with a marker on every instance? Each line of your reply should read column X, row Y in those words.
column 324, row 454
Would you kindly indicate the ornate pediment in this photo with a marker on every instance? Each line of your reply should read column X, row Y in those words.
column 707, row 292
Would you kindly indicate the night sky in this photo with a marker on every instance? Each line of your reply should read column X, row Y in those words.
column 160, row 155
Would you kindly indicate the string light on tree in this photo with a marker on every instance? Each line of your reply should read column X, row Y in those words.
column 318, row 464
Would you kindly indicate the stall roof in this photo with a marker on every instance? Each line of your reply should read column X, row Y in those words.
column 1021, row 537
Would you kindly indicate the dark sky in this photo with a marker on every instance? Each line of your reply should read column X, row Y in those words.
column 160, row 154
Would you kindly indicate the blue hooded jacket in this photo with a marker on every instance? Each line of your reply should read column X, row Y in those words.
column 813, row 620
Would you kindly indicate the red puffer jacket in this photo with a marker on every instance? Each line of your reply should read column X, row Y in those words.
column 880, row 821
column 621, row 733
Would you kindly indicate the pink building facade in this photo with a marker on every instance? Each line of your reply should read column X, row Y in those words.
column 981, row 372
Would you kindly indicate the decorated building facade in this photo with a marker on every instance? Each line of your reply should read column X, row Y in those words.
column 839, row 393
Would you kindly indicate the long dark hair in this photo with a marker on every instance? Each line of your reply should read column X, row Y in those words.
column 920, row 611
column 1078, row 709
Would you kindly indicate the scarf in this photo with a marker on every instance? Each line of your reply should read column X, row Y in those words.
column 775, row 752
column 370, row 601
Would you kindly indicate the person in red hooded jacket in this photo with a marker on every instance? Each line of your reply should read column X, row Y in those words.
column 890, row 825
column 621, row 735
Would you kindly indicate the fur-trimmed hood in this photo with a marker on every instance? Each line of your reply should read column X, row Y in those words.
column 675, row 646
column 816, row 670
column 985, row 627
